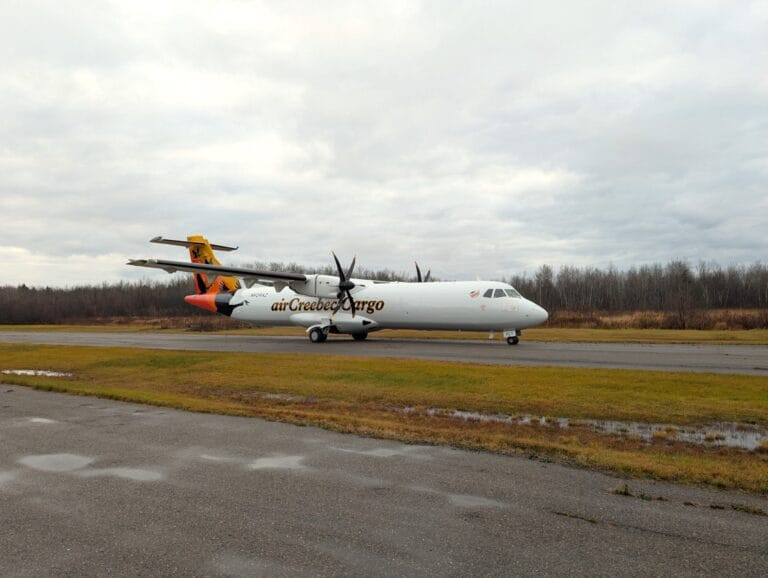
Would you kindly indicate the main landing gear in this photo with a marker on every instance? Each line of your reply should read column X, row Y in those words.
column 513, row 340
column 317, row 335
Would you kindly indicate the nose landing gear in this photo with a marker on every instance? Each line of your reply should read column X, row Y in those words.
column 513, row 336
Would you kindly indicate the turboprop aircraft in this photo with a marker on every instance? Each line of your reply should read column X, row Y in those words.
column 326, row 304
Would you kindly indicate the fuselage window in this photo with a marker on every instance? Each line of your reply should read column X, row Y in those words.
column 488, row 293
column 499, row 293
column 513, row 293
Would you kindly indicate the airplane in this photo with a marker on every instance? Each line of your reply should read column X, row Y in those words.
column 341, row 304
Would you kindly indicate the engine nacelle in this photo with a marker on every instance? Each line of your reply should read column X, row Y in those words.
column 324, row 286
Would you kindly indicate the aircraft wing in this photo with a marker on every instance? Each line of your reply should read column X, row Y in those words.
column 253, row 275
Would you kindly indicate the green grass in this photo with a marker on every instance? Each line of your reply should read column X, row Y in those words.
column 352, row 394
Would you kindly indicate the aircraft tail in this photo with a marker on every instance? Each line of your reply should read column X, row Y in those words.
column 201, row 251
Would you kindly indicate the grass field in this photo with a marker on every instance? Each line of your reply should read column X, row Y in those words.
column 547, row 334
column 368, row 396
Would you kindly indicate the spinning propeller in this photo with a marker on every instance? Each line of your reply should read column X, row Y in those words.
column 345, row 286
column 418, row 274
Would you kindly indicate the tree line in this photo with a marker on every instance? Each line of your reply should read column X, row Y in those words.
column 676, row 287
column 671, row 287
column 24, row 304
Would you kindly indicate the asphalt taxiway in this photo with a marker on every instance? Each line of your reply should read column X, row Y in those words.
column 737, row 359
column 95, row 487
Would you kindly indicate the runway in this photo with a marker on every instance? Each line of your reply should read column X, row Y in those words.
column 737, row 359
column 94, row 487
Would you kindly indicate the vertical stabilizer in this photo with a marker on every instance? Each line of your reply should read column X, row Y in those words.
column 200, row 251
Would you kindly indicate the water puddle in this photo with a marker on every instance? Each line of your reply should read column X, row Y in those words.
column 135, row 474
column 468, row 501
column 385, row 452
column 41, row 420
column 459, row 500
column 56, row 462
column 287, row 397
column 734, row 435
column 211, row 458
column 36, row 373
column 278, row 462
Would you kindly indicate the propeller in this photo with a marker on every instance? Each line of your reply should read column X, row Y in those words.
column 419, row 279
column 345, row 286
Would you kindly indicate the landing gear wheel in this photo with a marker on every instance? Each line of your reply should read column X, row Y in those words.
column 359, row 336
column 514, row 340
column 317, row 335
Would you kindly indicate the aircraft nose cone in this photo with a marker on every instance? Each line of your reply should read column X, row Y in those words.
column 541, row 314
column 537, row 314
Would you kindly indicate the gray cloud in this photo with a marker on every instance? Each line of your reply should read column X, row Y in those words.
column 480, row 139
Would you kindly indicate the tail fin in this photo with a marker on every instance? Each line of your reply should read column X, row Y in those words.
column 201, row 251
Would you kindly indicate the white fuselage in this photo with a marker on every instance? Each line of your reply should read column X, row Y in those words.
column 460, row 305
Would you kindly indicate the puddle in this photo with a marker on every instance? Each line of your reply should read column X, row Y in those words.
column 36, row 373
column 286, row 397
column 384, row 452
column 41, row 420
column 734, row 435
column 56, row 462
column 468, row 501
column 460, row 500
column 277, row 462
column 135, row 474
column 210, row 458
column 229, row 564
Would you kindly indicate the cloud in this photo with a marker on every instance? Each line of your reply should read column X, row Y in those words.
column 481, row 140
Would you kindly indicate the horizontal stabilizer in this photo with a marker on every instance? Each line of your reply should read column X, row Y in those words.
column 179, row 243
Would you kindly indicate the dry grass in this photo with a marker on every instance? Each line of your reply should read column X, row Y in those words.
column 362, row 396
column 698, row 319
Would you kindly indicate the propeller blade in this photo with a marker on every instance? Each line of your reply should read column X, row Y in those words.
column 428, row 276
column 345, row 286
column 338, row 267
column 351, row 267
column 351, row 303
column 418, row 272
column 339, row 302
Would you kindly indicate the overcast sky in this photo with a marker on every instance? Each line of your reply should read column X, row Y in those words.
column 481, row 138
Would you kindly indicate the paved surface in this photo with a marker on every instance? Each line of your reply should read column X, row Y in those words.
column 93, row 487
column 743, row 359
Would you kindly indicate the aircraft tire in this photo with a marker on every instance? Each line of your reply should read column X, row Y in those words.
column 317, row 335
column 514, row 340
column 360, row 336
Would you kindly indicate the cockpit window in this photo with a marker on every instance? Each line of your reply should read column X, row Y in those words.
column 513, row 293
column 488, row 293
column 499, row 293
